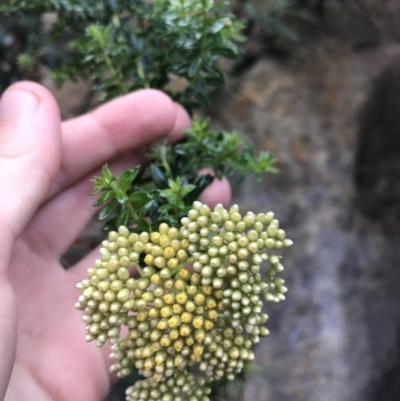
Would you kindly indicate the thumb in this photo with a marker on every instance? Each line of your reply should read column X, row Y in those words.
column 30, row 143
column 30, row 147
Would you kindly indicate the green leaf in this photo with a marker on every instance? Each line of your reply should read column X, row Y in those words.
column 200, row 184
column 110, row 225
column 103, row 198
column 107, row 210
column 227, row 52
column 121, row 197
column 207, row 4
column 127, row 177
column 107, row 175
column 187, row 189
column 122, row 219
column 218, row 25
column 194, row 67
column 139, row 199
column 158, row 176
column 165, row 208
column 143, row 225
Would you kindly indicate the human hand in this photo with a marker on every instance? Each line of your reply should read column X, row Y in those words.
column 45, row 167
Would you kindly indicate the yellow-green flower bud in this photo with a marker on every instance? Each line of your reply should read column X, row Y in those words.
column 174, row 322
column 144, row 237
column 148, row 247
column 160, row 262
column 178, row 345
column 131, row 284
column 174, row 334
column 184, row 274
column 162, row 325
column 242, row 253
column 154, row 313
column 124, row 261
column 217, row 283
column 115, row 307
column 109, row 296
column 186, row 317
column 182, row 255
column 105, row 254
column 169, row 252
column 173, row 263
column 175, row 244
column 274, row 260
column 215, row 262
column 138, row 247
column 123, row 273
column 149, row 260
column 232, row 258
column 156, row 251
column 184, row 330
column 287, row 243
column 165, row 273
column 208, row 325
column 177, row 309
column 181, row 297
column 169, row 298
column 166, row 311
column 123, row 295
column 156, row 279
column 198, row 322
column 199, row 299
column 155, row 237
column 190, row 306
column 207, row 271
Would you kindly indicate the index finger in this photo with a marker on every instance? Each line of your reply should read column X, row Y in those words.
column 129, row 122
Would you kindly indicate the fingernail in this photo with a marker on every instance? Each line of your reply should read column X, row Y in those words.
column 18, row 101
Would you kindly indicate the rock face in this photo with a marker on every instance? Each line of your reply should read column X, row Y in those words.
column 330, row 115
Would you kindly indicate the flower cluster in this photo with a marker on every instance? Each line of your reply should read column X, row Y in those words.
column 175, row 316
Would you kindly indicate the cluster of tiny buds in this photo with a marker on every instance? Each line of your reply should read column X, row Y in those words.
column 210, row 314
column 182, row 387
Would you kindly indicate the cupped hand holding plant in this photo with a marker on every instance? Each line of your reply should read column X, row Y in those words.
column 45, row 166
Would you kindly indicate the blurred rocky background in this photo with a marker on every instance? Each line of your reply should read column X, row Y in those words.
column 324, row 98
column 330, row 112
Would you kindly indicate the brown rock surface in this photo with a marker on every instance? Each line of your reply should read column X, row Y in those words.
column 336, row 336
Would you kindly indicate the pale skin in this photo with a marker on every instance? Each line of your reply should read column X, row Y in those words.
column 45, row 168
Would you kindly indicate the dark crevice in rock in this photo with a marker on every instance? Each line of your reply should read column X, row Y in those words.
column 377, row 163
column 387, row 386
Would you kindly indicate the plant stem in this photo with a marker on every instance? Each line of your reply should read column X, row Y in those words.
column 163, row 155
column 110, row 66
column 141, row 73
column 131, row 211
column 139, row 269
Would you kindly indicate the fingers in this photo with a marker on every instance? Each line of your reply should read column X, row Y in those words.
column 30, row 133
column 129, row 122
column 30, row 144
column 219, row 191
column 88, row 142
column 56, row 225
column 115, row 130
column 43, row 234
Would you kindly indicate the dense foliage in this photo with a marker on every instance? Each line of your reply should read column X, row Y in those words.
column 164, row 190
column 126, row 45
